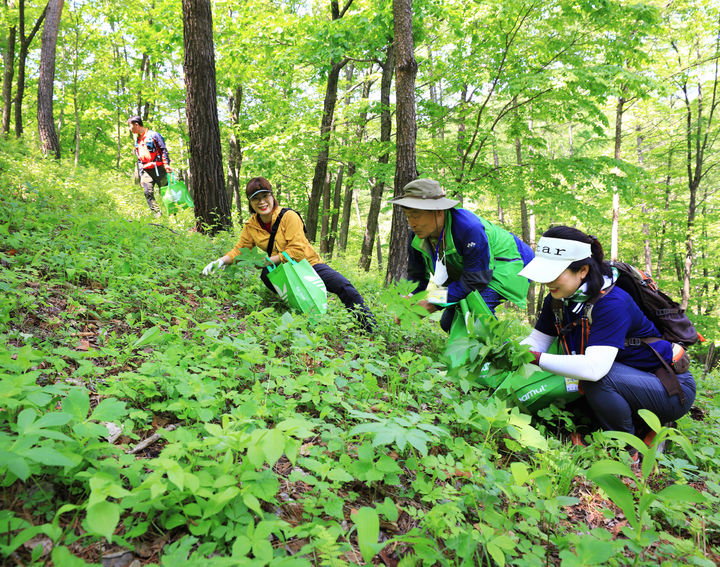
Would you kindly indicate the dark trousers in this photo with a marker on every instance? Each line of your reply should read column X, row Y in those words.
column 148, row 179
column 492, row 299
column 616, row 398
column 338, row 284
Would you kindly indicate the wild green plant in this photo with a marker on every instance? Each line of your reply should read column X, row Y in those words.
column 636, row 504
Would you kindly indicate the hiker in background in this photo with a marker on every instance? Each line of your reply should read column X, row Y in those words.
column 152, row 158
column 619, row 376
column 451, row 246
column 289, row 237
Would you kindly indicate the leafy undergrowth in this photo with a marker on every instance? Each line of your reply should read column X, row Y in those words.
column 149, row 414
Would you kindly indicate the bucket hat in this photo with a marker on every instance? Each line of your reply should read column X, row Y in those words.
column 552, row 257
column 424, row 194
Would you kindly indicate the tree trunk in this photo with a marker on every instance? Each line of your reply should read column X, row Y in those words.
column 436, row 94
column 644, row 209
column 663, row 228
column 22, row 58
column 406, row 128
column 46, row 77
column 8, row 73
column 324, row 153
column 234, row 150
column 698, row 141
column 346, row 213
column 212, row 206
column 385, row 137
column 378, row 247
column 527, row 221
column 324, row 228
column 616, row 194
column 350, row 193
column 496, row 163
column 335, row 211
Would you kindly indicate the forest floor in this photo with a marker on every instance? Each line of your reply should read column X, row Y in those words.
column 152, row 416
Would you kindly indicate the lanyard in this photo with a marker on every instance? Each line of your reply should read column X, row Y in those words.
column 436, row 255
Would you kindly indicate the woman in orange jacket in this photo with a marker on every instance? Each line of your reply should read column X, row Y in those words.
column 289, row 238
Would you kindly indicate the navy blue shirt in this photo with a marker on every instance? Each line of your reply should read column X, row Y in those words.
column 615, row 317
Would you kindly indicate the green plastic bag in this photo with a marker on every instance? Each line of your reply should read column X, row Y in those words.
column 299, row 285
column 174, row 195
column 540, row 389
column 466, row 311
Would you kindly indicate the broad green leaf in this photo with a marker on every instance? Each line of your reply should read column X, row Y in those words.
column 262, row 549
column 496, row 553
column 15, row 464
column 102, row 519
column 62, row 556
column 619, row 494
column 253, row 503
column 241, row 547
column 367, row 524
column 25, row 419
column 52, row 419
column 49, row 456
column 388, row 509
column 77, row 403
column 109, row 409
column 608, row 467
column 651, row 419
column 273, row 445
column 681, row 493
column 152, row 335
column 519, row 472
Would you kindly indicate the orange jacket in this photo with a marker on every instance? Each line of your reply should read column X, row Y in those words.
column 290, row 238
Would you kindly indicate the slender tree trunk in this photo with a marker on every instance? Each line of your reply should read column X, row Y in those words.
column 616, row 194
column 346, row 213
column 643, row 207
column 406, row 127
column 666, row 208
column 385, row 136
column 378, row 247
column 350, row 192
column 697, row 138
column 212, row 206
column 324, row 224
column 8, row 74
column 77, row 120
column 325, row 131
column 436, row 93
column 335, row 211
column 357, row 208
column 22, row 59
column 496, row 163
column 324, row 152
column 234, row 149
column 527, row 220
column 46, row 78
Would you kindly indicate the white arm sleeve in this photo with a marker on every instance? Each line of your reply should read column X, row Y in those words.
column 591, row 366
column 538, row 341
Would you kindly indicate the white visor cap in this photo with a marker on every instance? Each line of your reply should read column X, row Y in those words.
column 552, row 257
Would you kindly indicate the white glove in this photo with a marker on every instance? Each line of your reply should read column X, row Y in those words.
column 212, row 265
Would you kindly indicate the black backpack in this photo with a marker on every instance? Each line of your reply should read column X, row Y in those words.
column 665, row 313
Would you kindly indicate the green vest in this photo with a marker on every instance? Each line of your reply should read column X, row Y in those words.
column 505, row 260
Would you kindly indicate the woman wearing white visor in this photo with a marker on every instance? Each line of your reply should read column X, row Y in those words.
column 618, row 378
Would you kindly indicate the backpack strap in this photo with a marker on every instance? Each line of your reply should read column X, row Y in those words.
column 665, row 373
column 585, row 321
column 273, row 231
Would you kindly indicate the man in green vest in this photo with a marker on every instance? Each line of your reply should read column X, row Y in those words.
column 459, row 252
